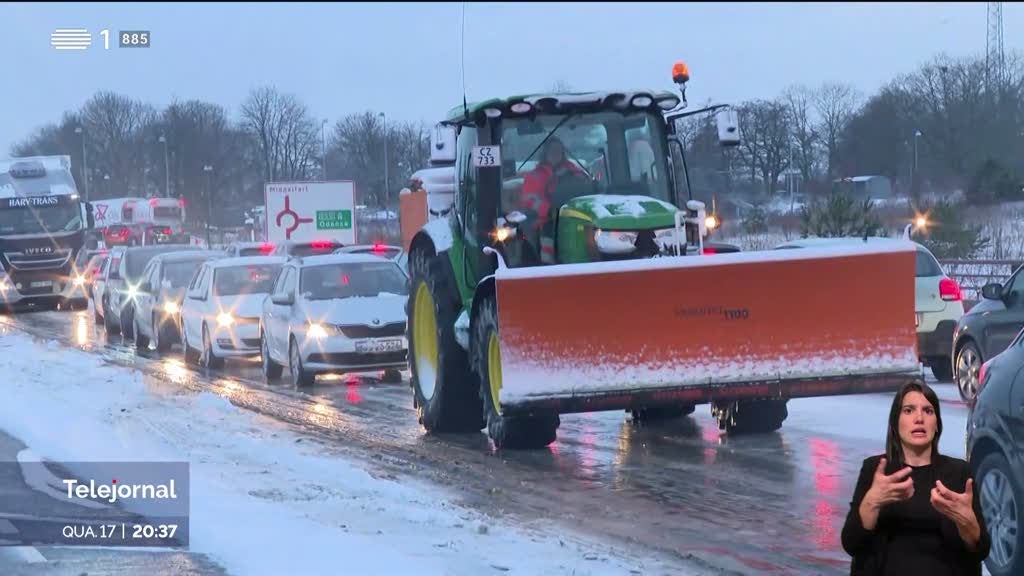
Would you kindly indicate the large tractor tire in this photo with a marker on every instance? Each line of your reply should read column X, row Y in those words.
column 529, row 431
column 444, row 394
column 750, row 416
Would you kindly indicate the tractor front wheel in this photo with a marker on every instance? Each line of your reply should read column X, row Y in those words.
column 443, row 394
column 529, row 431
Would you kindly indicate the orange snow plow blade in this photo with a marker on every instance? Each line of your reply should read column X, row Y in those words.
column 784, row 323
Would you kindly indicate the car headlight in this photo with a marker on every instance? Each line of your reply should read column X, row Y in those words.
column 615, row 241
column 171, row 307
column 132, row 292
column 78, row 280
column 225, row 319
column 316, row 331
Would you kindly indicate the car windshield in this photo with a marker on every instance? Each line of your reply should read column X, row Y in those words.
column 366, row 279
column 179, row 274
column 63, row 217
column 138, row 258
column 250, row 279
column 604, row 153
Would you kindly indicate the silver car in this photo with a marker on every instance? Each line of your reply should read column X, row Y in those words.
column 335, row 313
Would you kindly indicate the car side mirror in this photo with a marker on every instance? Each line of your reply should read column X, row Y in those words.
column 283, row 299
column 728, row 124
column 993, row 291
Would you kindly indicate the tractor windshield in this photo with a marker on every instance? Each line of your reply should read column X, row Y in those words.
column 601, row 153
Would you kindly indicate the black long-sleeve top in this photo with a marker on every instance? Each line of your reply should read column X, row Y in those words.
column 912, row 537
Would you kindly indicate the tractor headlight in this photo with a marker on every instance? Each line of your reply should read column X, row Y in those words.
column 224, row 319
column 711, row 222
column 615, row 241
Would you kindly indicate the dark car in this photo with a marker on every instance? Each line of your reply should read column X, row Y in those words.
column 995, row 434
column 122, row 283
column 157, row 303
column 986, row 330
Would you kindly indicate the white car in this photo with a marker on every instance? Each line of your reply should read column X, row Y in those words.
column 335, row 313
column 239, row 249
column 220, row 313
column 938, row 302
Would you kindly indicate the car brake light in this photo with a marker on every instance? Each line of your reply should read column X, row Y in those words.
column 708, row 250
column 949, row 290
column 981, row 375
column 152, row 202
column 320, row 244
column 181, row 202
column 378, row 248
column 266, row 248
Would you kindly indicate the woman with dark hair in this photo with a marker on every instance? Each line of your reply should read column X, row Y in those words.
column 915, row 511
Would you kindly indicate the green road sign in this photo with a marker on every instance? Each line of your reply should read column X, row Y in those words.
column 333, row 219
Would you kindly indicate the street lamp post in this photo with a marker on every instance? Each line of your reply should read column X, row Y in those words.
column 323, row 150
column 386, row 183
column 85, row 163
column 914, row 179
column 209, row 203
column 167, row 169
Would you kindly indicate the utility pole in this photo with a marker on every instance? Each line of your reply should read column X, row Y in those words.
column 85, row 163
column 167, row 169
column 209, row 203
column 323, row 150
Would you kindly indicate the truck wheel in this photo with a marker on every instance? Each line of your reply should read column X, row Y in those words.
column 535, row 430
column 662, row 413
column 443, row 392
column 750, row 416
column 942, row 369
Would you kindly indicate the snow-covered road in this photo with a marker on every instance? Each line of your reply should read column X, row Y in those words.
column 769, row 503
column 265, row 500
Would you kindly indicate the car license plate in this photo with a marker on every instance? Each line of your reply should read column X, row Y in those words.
column 374, row 346
column 41, row 283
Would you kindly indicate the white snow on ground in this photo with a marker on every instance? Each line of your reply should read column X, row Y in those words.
column 607, row 205
column 263, row 501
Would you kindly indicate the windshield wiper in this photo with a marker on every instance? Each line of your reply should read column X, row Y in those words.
column 546, row 137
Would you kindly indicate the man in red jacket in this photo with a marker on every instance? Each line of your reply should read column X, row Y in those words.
column 539, row 185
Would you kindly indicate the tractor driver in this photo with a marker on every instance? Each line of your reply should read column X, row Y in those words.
column 538, row 187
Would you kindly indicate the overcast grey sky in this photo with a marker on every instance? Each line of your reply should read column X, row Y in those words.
column 403, row 59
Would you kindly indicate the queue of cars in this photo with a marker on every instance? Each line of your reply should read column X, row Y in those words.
column 300, row 307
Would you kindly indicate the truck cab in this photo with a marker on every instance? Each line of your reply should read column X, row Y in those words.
column 42, row 230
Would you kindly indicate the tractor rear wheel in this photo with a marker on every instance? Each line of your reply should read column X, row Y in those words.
column 443, row 392
column 529, row 431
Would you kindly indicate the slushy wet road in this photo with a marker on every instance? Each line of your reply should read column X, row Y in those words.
column 768, row 504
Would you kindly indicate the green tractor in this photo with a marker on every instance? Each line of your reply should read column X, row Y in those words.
column 620, row 193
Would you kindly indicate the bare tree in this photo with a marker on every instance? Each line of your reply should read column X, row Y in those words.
column 766, row 140
column 802, row 129
column 835, row 104
column 285, row 131
column 114, row 126
column 357, row 150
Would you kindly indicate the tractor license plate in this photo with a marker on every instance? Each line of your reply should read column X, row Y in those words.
column 375, row 346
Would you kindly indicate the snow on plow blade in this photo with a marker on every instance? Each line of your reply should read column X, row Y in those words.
column 782, row 323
